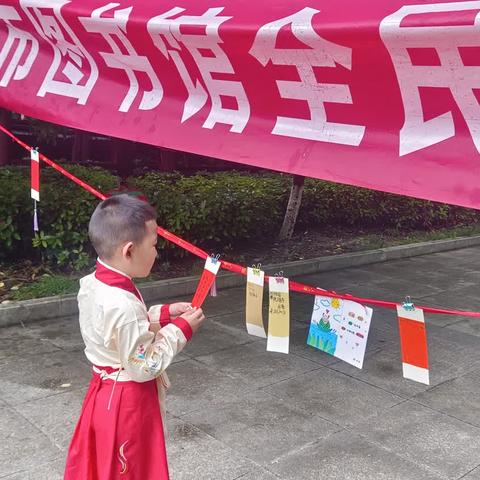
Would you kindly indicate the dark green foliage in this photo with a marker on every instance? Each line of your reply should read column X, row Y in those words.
column 217, row 209
column 64, row 211
column 335, row 204
column 213, row 210
column 15, row 211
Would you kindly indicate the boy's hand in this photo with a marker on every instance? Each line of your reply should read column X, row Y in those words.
column 194, row 316
column 177, row 309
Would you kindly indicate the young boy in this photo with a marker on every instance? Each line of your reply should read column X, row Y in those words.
column 120, row 431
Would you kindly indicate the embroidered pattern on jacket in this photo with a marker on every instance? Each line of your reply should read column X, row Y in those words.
column 149, row 364
column 138, row 358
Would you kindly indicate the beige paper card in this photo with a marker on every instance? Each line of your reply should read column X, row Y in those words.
column 278, row 315
column 253, row 309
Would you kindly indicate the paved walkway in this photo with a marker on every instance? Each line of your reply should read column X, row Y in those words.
column 238, row 412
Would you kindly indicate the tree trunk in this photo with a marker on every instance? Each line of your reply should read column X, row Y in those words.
column 166, row 159
column 114, row 151
column 81, row 147
column 121, row 156
column 4, row 140
column 293, row 208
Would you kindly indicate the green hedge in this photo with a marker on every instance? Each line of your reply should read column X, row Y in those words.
column 334, row 204
column 217, row 209
column 63, row 212
column 211, row 210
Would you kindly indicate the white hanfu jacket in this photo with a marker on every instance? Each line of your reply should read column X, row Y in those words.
column 120, row 334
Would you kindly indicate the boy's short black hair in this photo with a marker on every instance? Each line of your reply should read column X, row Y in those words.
column 118, row 220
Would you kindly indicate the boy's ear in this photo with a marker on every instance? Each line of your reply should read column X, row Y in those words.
column 127, row 250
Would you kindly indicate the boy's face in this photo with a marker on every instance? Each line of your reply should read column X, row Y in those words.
column 143, row 254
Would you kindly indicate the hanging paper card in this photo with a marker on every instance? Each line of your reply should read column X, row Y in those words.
column 278, row 315
column 209, row 273
column 253, row 308
column 340, row 328
column 35, row 184
column 413, row 341
column 35, row 174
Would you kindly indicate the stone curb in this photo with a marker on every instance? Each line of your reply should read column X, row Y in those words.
column 64, row 305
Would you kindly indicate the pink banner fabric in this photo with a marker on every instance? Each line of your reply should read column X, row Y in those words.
column 378, row 94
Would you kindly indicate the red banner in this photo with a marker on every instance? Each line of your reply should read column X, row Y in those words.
column 380, row 94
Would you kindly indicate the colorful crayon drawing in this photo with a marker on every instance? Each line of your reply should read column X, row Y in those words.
column 340, row 328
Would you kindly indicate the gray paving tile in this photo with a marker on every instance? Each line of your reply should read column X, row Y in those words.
column 63, row 333
column 259, row 474
column 194, row 455
column 447, row 360
column 214, row 336
column 334, row 396
column 23, row 446
column 180, row 357
column 441, row 443
column 56, row 416
column 473, row 475
column 463, row 260
column 260, row 418
column 24, row 379
column 23, row 345
column 48, row 471
column 468, row 325
column 458, row 397
column 455, row 298
column 25, row 341
column 256, row 367
column 195, row 386
column 347, row 456
column 389, row 281
column 234, row 320
column 425, row 268
column 337, row 280
column 395, row 290
column 383, row 369
column 301, row 306
column 226, row 302
column 461, row 340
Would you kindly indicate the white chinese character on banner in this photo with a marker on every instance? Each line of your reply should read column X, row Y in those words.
column 21, row 39
column 131, row 62
column 451, row 73
column 318, row 52
column 168, row 35
column 73, row 72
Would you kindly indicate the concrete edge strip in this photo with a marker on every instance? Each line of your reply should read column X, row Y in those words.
column 25, row 311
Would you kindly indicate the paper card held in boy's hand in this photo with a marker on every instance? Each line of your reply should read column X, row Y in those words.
column 212, row 265
column 254, row 301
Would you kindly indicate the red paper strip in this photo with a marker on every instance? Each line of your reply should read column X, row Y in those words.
column 209, row 273
column 413, row 340
column 35, row 174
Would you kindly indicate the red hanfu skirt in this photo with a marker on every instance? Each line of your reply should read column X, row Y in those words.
column 125, row 442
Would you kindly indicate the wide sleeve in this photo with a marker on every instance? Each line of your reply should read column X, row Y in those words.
column 143, row 353
column 159, row 316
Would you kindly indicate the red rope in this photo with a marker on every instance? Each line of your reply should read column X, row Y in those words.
column 232, row 267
